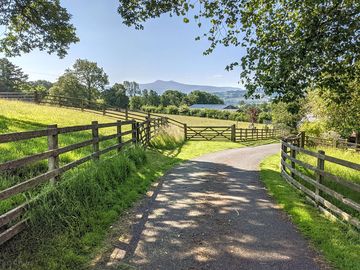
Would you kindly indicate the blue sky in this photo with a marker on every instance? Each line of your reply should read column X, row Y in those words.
column 165, row 50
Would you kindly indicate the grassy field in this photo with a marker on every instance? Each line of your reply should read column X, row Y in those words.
column 345, row 173
column 70, row 220
column 339, row 244
column 18, row 116
column 203, row 121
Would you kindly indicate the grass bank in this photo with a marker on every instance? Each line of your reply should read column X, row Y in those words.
column 340, row 244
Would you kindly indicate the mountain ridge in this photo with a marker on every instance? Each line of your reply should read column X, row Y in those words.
column 161, row 86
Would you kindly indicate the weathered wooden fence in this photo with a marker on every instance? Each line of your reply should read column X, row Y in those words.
column 18, row 96
column 228, row 133
column 11, row 222
column 337, row 143
column 318, row 185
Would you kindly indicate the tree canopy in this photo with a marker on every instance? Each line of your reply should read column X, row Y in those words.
column 202, row 97
column 91, row 76
column 30, row 24
column 290, row 45
column 12, row 78
column 116, row 96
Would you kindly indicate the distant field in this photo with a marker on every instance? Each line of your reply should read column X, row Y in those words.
column 20, row 116
column 203, row 121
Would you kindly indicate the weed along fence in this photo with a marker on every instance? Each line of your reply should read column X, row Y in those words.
column 126, row 132
column 230, row 133
column 332, row 194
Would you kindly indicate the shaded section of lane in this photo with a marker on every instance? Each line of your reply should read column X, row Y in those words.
column 213, row 213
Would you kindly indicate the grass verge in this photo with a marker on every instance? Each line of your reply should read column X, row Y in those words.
column 340, row 244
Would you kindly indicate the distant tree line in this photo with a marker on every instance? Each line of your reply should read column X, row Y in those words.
column 86, row 80
column 253, row 113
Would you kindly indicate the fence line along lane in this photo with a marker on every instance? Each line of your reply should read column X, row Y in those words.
column 316, row 181
column 127, row 132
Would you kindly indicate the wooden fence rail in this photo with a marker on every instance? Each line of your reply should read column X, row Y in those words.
column 11, row 222
column 315, row 186
column 228, row 133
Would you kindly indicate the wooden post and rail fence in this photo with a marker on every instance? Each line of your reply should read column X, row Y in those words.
column 127, row 132
column 318, row 183
column 229, row 133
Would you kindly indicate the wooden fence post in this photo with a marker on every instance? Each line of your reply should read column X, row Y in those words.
column 118, row 131
column 148, row 130
column 185, row 132
column 302, row 139
column 321, row 167
column 284, row 148
column 53, row 143
column 95, row 135
column 138, row 132
column 134, row 132
column 293, row 155
column 233, row 138
column 126, row 114
column 36, row 97
column 241, row 134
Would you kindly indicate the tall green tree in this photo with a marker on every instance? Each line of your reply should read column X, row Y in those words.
column 70, row 86
column 172, row 97
column 132, row 88
column 12, row 78
column 42, row 24
column 202, row 97
column 290, row 45
column 153, row 98
column 116, row 96
column 91, row 76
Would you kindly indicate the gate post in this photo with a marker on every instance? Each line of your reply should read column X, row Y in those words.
column 185, row 132
column 233, row 137
column 53, row 144
column 302, row 140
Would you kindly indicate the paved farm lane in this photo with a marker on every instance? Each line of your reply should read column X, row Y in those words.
column 214, row 213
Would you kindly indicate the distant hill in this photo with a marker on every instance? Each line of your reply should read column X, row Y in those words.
column 161, row 86
column 230, row 95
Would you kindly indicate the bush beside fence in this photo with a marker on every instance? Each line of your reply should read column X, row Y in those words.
column 139, row 132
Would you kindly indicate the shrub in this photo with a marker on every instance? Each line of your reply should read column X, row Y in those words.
column 184, row 109
column 171, row 109
column 147, row 108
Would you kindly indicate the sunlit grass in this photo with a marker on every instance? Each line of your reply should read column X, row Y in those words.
column 345, row 173
column 339, row 244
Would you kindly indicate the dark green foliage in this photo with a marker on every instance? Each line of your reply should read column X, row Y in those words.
column 92, row 77
column 12, row 78
column 41, row 24
column 290, row 45
column 202, row 97
column 172, row 97
column 116, row 96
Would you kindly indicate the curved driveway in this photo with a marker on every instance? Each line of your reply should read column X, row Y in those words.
column 214, row 213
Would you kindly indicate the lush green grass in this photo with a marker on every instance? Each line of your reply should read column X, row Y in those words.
column 69, row 221
column 339, row 244
column 345, row 173
column 18, row 116
column 204, row 121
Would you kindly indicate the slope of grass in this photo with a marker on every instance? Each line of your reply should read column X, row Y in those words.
column 16, row 116
column 69, row 221
column 339, row 244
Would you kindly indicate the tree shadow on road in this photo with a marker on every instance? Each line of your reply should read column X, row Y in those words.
column 205, row 215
